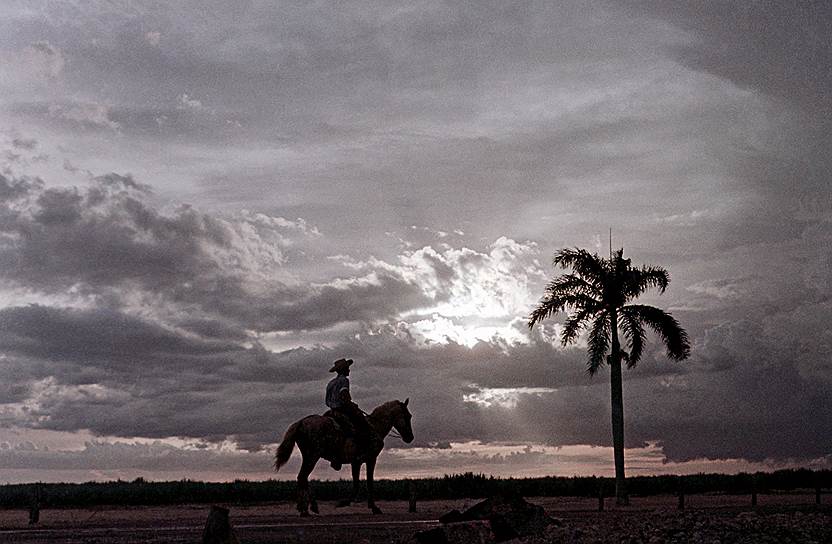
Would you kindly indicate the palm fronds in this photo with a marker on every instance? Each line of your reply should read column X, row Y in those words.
column 573, row 325
column 570, row 283
column 555, row 303
column 637, row 281
column 635, row 335
column 586, row 265
column 599, row 342
column 596, row 288
column 665, row 325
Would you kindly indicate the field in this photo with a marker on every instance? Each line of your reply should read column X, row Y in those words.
column 789, row 517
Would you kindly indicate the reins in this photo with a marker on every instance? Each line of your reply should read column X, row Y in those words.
column 393, row 430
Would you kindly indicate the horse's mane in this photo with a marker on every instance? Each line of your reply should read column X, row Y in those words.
column 383, row 409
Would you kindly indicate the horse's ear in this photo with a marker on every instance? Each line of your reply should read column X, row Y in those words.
column 406, row 401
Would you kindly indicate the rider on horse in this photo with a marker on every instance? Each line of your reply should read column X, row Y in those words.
column 345, row 411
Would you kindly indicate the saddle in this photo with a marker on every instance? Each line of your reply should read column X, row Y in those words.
column 342, row 422
column 347, row 428
column 364, row 439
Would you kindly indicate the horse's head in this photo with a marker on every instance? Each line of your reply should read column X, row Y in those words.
column 401, row 420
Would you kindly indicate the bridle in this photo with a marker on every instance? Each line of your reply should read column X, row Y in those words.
column 393, row 430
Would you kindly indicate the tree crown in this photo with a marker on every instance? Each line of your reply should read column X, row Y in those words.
column 596, row 294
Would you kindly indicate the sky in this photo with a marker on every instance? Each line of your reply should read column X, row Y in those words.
column 203, row 204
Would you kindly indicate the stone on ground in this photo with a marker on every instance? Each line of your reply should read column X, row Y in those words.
column 218, row 528
column 497, row 519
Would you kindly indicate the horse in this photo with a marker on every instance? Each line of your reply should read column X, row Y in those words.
column 320, row 437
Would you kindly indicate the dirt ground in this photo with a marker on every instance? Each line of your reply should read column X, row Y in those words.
column 710, row 519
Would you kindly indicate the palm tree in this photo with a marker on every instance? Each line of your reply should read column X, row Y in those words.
column 597, row 294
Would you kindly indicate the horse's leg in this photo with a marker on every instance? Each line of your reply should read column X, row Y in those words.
column 356, row 475
column 313, row 502
column 356, row 478
column 371, row 466
column 303, row 484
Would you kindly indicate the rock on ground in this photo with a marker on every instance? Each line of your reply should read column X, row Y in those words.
column 497, row 519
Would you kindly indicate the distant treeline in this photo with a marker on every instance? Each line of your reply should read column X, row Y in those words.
column 468, row 485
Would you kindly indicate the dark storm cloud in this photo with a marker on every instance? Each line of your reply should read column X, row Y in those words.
column 119, row 375
column 102, row 236
column 113, row 373
column 109, row 238
column 14, row 392
column 178, row 386
column 752, row 401
column 312, row 306
column 97, row 337
column 12, row 188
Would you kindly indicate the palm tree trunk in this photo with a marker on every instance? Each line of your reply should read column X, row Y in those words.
column 617, row 411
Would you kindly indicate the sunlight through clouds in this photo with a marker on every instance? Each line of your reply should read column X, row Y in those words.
column 479, row 296
column 504, row 397
column 438, row 329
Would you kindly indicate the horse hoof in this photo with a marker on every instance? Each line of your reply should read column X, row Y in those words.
column 375, row 509
column 343, row 503
column 304, row 514
column 314, row 507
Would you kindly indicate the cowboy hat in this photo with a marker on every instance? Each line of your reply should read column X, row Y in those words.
column 341, row 364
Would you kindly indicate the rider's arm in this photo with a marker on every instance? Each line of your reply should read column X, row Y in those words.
column 344, row 395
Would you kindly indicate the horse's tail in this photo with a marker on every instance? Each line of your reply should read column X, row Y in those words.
column 284, row 450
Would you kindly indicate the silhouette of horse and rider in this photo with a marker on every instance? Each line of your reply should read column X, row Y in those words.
column 343, row 435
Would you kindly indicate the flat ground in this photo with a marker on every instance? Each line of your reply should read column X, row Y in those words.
column 707, row 518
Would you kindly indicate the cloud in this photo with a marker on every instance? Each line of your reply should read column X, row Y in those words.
column 182, row 296
column 778, row 51
column 535, row 393
column 109, row 240
column 28, row 144
column 726, row 288
column 186, row 102
column 756, row 395
column 119, row 457
column 83, row 115
column 95, row 115
column 101, row 236
column 112, row 373
column 734, row 39
column 473, row 295
column 34, row 67
column 13, row 189
column 153, row 37
column 96, row 337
